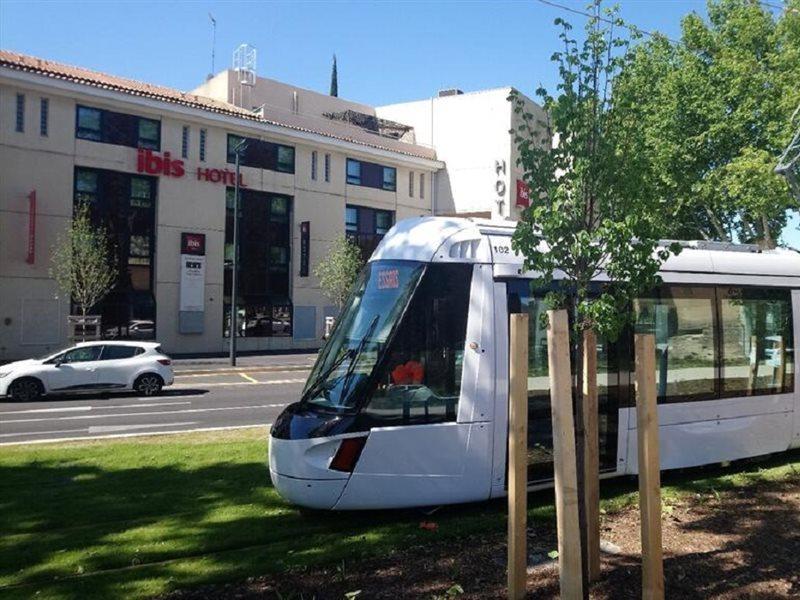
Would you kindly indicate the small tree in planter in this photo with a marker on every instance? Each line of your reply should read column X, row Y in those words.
column 338, row 272
column 83, row 262
column 590, row 211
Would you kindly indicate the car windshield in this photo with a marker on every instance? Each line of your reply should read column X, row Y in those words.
column 380, row 296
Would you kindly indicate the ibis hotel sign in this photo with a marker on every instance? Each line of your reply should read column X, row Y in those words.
column 155, row 163
column 193, row 283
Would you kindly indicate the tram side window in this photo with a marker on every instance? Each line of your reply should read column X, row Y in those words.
column 682, row 319
column 757, row 342
column 420, row 378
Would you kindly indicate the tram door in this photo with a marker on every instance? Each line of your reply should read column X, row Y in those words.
column 612, row 380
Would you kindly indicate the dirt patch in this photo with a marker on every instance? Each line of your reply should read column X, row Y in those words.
column 738, row 544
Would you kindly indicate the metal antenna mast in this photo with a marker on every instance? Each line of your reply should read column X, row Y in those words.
column 213, row 43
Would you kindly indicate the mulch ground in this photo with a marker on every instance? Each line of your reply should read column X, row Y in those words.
column 737, row 544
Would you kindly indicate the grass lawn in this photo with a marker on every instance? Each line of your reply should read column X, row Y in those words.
column 137, row 517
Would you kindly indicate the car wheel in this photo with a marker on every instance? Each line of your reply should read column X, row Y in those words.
column 148, row 384
column 27, row 389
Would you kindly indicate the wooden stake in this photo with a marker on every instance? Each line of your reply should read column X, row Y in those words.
column 518, row 457
column 649, row 468
column 566, row 478
column 591, row 459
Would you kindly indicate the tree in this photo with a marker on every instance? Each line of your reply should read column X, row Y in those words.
column 83, row 262
column 338, row 272
column 589, row 214
column 714, row 111
column 334, row 79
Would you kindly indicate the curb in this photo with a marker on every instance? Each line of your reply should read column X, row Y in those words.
column 254, row 369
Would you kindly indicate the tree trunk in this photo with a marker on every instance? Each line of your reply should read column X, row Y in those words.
column 580, row 449
column 718, row 228
column 591, row 460
column 83, row 325
column 768, row 243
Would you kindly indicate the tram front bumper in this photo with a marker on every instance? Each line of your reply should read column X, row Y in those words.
column 311, row 493
column 300, row 474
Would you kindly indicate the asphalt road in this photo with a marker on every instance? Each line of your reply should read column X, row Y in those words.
column 203, row 397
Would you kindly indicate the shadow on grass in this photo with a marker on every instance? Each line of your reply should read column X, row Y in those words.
column 76, row 530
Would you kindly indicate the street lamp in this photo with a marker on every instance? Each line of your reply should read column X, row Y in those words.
column 237, row 151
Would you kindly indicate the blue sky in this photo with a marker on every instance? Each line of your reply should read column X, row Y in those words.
column 387, row 51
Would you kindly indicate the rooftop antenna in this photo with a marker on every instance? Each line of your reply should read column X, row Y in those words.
column 213, row 43
column 244, row 65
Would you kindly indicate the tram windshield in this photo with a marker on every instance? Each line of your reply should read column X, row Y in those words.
column 365, row 323
column 397, row 350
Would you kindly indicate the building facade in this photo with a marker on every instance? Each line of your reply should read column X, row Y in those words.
column 471, row 133
column 156, row 168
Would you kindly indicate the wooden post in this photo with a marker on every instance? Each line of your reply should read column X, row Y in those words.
column 591, row 458
column 518, row 457
column 566, row 476
column 649, row 468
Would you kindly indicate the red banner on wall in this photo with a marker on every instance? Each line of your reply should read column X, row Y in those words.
column 31, row 258
column 523, row 194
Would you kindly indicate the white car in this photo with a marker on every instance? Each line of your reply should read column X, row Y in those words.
column 89, row 366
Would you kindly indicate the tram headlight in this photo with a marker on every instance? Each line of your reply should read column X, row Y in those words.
column 348, row 453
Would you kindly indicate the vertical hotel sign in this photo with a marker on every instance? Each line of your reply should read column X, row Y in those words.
column 31, row 257
column 193, row 283
column 305, row 243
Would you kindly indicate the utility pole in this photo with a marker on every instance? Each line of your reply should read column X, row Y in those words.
column 234, row 329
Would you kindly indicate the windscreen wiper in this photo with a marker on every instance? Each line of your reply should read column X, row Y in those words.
column 352, row 366
column 323, row 377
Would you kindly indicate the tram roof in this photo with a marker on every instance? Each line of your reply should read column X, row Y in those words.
column 452, row 239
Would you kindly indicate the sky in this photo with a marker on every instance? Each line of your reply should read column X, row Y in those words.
column 386, row 52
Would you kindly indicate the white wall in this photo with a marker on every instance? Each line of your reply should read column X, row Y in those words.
column 470, row 133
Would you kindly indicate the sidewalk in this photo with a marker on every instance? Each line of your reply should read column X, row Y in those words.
column 261, row 362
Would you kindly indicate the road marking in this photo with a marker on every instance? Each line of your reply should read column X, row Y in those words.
column 46, row 410
column 88, row 408
column 248, row 378
column 205, row 385
column 123, row 435
column 113, row 428
column 42, row 432
column 142, row 414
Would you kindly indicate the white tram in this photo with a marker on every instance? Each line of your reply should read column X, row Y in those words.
column 407, row 403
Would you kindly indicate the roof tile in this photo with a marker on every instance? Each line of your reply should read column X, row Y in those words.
column 55, row 70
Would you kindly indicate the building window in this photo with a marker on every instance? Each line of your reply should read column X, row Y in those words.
column 757, row 342
column 264, row 307
column 125, row 205
column 20, row 126
column 371, row 175
column 203, row 135
column 366, row 226
column 185, row 142
column 422, row 185
column 411, row 183
column 261, row 154
column 327, row 168
column 117, row 128
column 353, row 172
column 314, row 165
column 44, row 115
